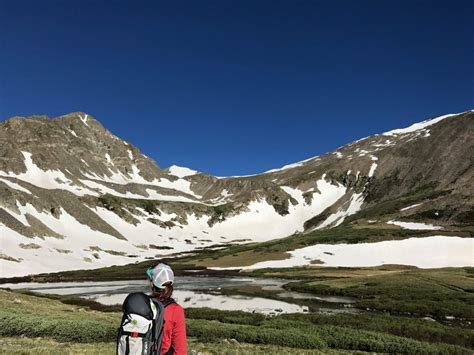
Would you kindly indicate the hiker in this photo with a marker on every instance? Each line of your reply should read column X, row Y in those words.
column 153, row 325
column 174, row 334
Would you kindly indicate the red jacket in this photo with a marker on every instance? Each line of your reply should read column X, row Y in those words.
column 174, row 333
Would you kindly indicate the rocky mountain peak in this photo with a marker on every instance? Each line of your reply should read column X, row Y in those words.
column 85, row 198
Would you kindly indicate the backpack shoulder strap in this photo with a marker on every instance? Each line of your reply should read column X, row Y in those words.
column 120, row 333
column 157, row 329
column 168, row 302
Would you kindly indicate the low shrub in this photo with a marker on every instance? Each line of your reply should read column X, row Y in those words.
column 418, row 329
column 233, row 317
column 81, row 331
column 363, row 340
column 206, row 330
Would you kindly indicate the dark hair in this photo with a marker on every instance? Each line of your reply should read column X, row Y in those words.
column 162, row 293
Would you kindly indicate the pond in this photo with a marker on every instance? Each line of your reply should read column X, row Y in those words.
column 202, row 291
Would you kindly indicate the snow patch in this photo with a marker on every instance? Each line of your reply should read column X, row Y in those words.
column 15, row 186
column 409, row 207
column 107, row 190
column 78, row 239
column 134, row 177
column 19, row 216
column 338, row 217
column 154, row 195
column 286, row 167
column 150, row 193
column 225, row 193
column 180, row 171
column 417, row 126
column 180, row 185
column 415, row 226
column 289, row 166
column 84, row 162
column 84, row 119
column 429, row 252
column 295, row 193
column 50, row 179
column 372, row 169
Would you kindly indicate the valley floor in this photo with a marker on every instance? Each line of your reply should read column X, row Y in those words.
column 412, row 311
column 401, row 309
column 44, row 346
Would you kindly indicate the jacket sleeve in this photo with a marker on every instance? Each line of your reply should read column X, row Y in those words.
column 179, row 333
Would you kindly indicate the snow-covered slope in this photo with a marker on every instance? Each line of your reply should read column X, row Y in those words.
column 430, row 252
column 74, row 196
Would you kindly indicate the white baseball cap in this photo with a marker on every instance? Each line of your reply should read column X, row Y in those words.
column 160, row 275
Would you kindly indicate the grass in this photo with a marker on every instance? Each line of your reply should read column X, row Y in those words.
column 244, row 258
column 22, row 345
column 438, row 293
column 18, row 345
column 66, row 327
column 327, row 273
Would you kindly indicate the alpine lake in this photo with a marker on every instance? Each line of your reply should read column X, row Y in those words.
column 216, row 292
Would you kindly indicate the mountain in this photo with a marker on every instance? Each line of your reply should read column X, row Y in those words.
column 75, row 196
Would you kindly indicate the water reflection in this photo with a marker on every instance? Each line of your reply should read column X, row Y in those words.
column 191, row 291
column 222, row 302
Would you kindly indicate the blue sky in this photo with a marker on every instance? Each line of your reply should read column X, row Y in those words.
column 237, row 87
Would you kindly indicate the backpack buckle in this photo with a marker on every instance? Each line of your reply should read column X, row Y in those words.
column 134, row 334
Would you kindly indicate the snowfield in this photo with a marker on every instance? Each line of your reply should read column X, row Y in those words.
column 55, row 179
column 259, row 222
column 429, row 252
column 50, row 179
column 80, row 247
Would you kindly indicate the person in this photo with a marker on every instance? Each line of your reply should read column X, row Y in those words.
column 174, row 333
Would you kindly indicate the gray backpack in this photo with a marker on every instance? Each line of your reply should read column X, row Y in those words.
column 141, row 329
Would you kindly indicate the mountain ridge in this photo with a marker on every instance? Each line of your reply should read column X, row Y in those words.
column 86, row 116
column 69, row 184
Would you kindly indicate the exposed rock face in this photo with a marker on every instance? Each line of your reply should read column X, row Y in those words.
column 85, row 198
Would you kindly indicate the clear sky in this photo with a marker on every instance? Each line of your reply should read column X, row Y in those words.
column 238, row 87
